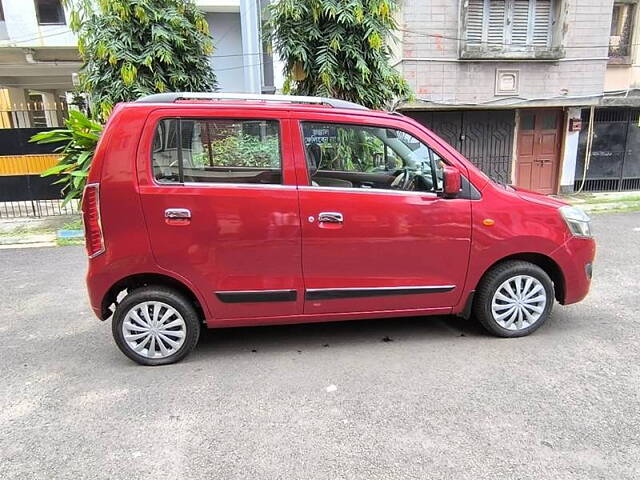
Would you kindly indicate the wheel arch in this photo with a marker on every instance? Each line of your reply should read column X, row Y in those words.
column 545, row 262
column 126, row 285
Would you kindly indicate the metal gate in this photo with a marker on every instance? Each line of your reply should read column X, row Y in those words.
column 23, row 192
column 615, row 154
column 484, row 137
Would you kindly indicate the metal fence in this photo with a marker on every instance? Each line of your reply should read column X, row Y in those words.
column 23, row 192
column 615, row 157
column 38, row 208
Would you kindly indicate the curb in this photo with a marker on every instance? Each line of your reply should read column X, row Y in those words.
column 608, row 207
column 70, row 234
column 40, row 240
column 27, row 245
column 26, row 240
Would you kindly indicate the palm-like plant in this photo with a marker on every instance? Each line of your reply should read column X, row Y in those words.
column 338, row 48
column 79, row 142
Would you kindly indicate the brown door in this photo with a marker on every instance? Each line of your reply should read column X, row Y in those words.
column 538, row 156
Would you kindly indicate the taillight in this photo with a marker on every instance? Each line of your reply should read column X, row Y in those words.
column 94, row 239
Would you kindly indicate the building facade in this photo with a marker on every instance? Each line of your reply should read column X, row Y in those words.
column 505, row 81
column 609, row 147
column 39, row 56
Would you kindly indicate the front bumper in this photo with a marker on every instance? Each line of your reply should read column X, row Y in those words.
column 575, row 258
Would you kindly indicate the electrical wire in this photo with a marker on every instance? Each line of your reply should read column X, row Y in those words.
column 404, row 30
column 448, row 37
column 587, row 153
column 9, row 43
column 64, row 62
column 66, row 83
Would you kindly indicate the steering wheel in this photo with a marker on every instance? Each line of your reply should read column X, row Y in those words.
column 402, row 180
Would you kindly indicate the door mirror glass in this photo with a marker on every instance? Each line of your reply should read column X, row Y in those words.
column 452, row 182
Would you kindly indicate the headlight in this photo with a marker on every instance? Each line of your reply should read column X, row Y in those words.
column 578, row 222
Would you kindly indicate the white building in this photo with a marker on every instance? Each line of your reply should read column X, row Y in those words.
column 39, row 55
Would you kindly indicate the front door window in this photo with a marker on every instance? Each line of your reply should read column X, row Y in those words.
column 356, row 156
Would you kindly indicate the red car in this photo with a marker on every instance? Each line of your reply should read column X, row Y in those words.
column 226, row 210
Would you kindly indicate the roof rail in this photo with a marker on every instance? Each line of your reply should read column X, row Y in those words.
column 174, row 96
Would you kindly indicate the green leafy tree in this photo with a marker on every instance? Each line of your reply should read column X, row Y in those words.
column 129, row 48
column 132, row 48
column 338, row 48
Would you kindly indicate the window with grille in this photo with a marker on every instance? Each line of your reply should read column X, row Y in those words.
column 504, row 26
column 621, row 31
column 50, row 12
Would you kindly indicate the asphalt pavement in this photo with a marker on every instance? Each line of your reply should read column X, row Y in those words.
column 423, row 398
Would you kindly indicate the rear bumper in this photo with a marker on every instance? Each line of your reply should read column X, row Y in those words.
column 575, row 258
column 98, row 285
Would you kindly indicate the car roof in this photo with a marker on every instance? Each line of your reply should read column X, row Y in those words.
column 173, row 97
column 255, row 101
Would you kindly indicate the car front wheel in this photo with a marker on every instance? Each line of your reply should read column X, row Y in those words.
column 514, row 299
column 155, row 326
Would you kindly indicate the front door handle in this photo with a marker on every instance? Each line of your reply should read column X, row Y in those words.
column 330, row 217
column 177, row 216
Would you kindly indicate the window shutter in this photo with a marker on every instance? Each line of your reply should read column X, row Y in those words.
column 475, row 17
column 542, row 23
column 520, row 22
column 496, row 24
column 496, row 28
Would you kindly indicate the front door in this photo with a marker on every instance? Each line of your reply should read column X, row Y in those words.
column 376, row 233
column 538, row 154
column 221, row 208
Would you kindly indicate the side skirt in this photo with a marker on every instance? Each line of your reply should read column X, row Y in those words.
column 325, row 317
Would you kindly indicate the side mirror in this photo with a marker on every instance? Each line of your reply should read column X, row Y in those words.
column 452, row 182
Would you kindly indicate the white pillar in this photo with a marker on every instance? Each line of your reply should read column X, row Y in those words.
column 50, row 107
column 18, row 107
column 251, row 46
column 569, row 154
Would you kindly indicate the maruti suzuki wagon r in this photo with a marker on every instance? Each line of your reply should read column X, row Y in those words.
column 225, row 210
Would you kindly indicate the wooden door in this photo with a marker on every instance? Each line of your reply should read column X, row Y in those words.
column 539, row 145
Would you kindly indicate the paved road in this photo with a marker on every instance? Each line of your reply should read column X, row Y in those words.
column 441, row 400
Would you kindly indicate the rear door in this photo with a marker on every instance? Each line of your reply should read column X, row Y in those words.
column 372, row 240
column 221, row 207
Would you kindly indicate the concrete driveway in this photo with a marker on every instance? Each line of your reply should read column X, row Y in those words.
column 441, row 399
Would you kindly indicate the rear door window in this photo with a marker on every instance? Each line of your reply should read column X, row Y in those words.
column 217, row 150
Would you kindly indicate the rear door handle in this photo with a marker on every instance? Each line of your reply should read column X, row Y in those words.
column 177, row 216
column 330, row 217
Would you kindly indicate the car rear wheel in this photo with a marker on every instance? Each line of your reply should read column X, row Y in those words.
column 155, row 326
column 514, row 299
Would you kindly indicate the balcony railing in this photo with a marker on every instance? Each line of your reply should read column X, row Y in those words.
column 33, row 115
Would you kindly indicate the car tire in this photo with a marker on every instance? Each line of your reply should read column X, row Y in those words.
column 155, row 325
column 514, row 299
